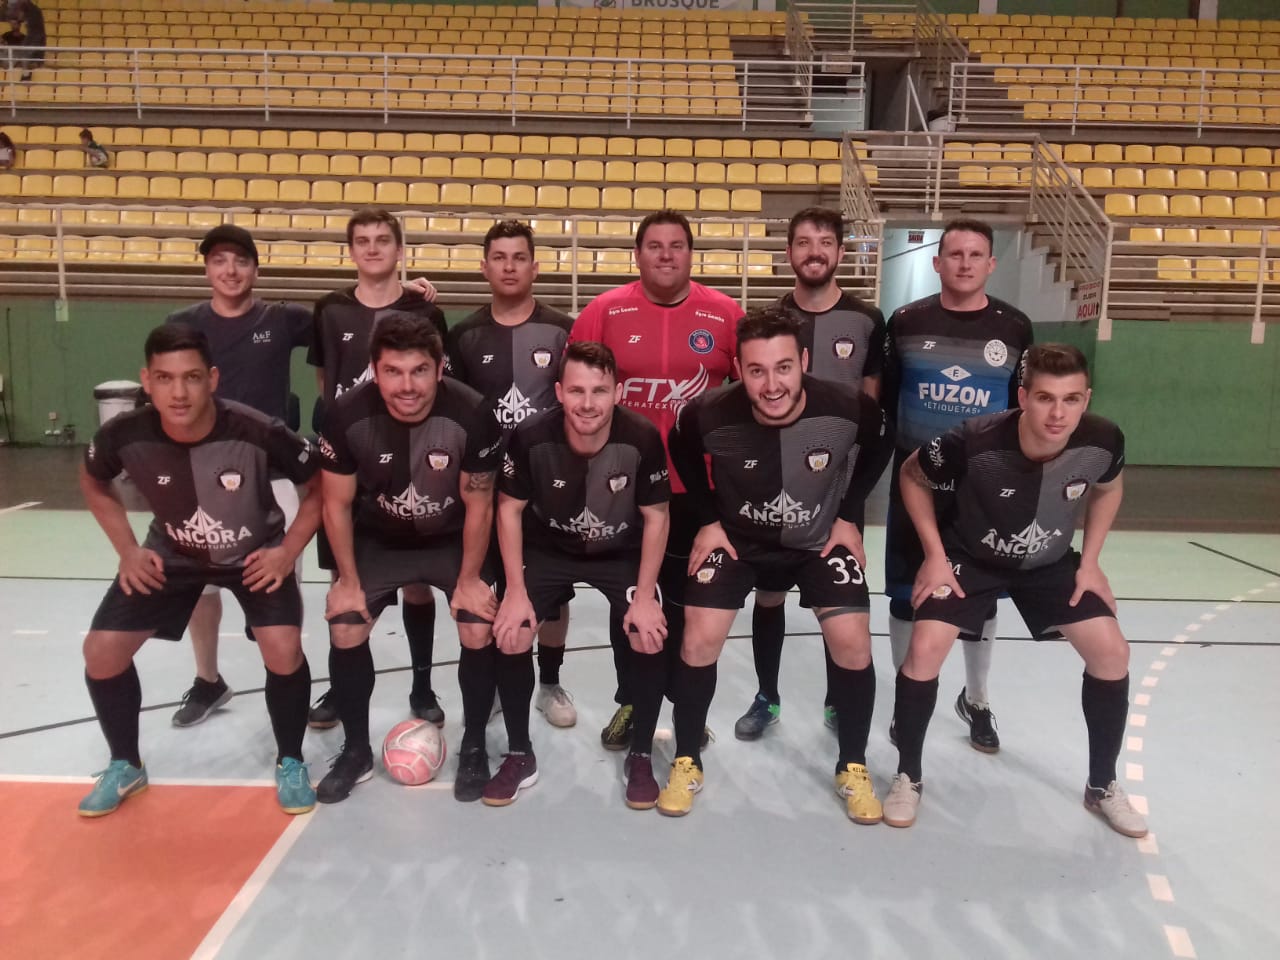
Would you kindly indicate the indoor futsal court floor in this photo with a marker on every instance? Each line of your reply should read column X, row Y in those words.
column 1003, row 860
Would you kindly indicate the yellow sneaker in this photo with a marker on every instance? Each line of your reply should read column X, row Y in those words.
column 854, row 784
column 676, row 798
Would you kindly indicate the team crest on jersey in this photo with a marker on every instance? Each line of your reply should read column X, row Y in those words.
column 1075, row 489
column 542, row 358
column 230, row 480
column 438, row 459
column 995, row 353
column 842, row 348
column 818, row 460
column 618, row 482
column 705, row 574
column 701, row 341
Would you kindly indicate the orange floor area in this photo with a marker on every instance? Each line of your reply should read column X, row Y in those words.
column 148, row 881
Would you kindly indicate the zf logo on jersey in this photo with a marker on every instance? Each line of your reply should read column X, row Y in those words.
column 542, row 358
column 701, row 341
column 842, row 348
column 437, row 459
column 1075, row 489
column 230, row 480
column 618, row 482
column 164, row 479
column 995, row 353
column 818, row 460
column 385, row 457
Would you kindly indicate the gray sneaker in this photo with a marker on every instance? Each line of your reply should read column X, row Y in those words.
column 201, row 700
column 903, row 800
column 1112, row 804
column 554, row 703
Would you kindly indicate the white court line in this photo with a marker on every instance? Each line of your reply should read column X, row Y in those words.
column 1237, row 599
column 1159, row 664
column 1191, row 627
column 1225, row 606
column 1139, row 803
column 1150, row 681
column 1134, row 772
column 1142, row 700
column 1206, row 617
column 21, row 506
column 1148, row 845
column 1134, row 744
column 1179, row 942
column 243, row 900
column 1160, row 889
column 31, row 633
column 1180, row 638
column 1137, row 719
column 1255, row 591
column 1168, row 651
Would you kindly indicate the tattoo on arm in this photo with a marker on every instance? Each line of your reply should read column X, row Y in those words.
column 480, row 481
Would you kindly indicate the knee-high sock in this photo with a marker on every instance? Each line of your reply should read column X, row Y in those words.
column 420, row 629
column 477, row 678
column 287, row 698
column 830, row 668
column 912, row 708
column 515, row 687
column 977, row 664
column 648, row 683
column 116, row 701
column 549, row 661
column 621, row 659
column 671, row 578
column 694, row 688
column 351, row 674
column 768, row 628
column 853, row 694
column 1106, row 710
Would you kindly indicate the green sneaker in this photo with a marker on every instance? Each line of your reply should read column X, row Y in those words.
column 617, row 735
column 118, row 782
column 829, row 719
column 759, row 716
column 293, row 786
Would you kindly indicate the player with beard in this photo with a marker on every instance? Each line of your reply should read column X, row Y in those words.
column 844, row 340
column 509, row 352
column 792, row 460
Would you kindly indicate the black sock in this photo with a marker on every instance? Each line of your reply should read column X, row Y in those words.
column 549, row 660
column 621, row 659
column 853, row 694
column 694, row 688
column 515, row 687
column 827, row 701
column 649, row 681
column 1106, row 711
column 351, row 676
column 671, row 578
column 477, row 678
column 287, row 698
column 912, row 708
column 768, row 627
column 420, row 629
column 116, row 701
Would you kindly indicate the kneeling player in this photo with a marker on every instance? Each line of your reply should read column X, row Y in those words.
column 594, row 477
column 204, row 467
column 1020, row 479
column 792, row 460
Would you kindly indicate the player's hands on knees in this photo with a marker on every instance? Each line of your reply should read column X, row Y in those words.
column 645, row 625
column 267, row 569
column 845, row 534
column 473, row 595
column 423, row 286
column 344, row 597
column 141, row 570
column 1091, row 579
column 710, row 538
column 935, row 579
column 515, row 614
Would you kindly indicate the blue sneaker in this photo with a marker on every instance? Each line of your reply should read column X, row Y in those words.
column 115, row 784
column 293, row 786
column 761, row 714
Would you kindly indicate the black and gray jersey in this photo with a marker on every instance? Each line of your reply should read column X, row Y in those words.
column 211, row 499
column 845, row 343
column 1009, row 511
column 943, row 366
column 408, row 474
column 513, row 367
column 343, row 325
column 585, row 506
column 781, row 486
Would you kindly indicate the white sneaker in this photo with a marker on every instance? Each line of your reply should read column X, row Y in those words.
column 1112, row 804
column 554, row 703
column 901, row 803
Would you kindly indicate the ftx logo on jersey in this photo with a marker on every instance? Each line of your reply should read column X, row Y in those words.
column 202, row 530
column 781, row 511
column 646, row 393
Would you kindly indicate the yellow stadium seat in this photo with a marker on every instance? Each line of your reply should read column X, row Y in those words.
column 141, row 250
column 1138, row 153
column 1146, row 235
column 260, row 190
column 804, row 174
column 1191, row 178
column 1220, row 179
column 423, row 193
column 294, row 191
column 228, row 188
column 1096, row 177
column 1160, row 178
column 745, row 200
column 1173, row 268
column 390, row 193
column 131, row 187
column 1119, row 205
column 341, row 165
column 1179, row 205
column 1213, row 270
column 196, row 189
column 1180, row 235
column 1249, row 208
column 1077, row 153
column 67, row 185
column 1198, row 155
column 647, row 198
column 584, row 198
column 487, row 195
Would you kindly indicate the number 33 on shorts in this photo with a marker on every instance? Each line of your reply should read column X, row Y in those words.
column 845, row 569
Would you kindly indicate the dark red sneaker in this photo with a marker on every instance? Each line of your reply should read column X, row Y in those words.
column 518, row 770
column 642, row 789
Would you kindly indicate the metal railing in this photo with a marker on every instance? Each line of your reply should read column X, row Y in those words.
column 861, row 213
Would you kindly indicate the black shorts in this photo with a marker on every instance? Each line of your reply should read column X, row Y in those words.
column 500, row 578
column 164, row 613
column 549, row 576
column 1040, row 594
column 384, row 568
column 723, row 583
column 903, row 553
column 684, row 526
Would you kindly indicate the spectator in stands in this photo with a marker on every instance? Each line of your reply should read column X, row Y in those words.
column 25, row 13
column 8, row 152
column 95, row 154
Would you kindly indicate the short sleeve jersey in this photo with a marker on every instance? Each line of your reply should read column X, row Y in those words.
column 407, row 474
column 784, row 486
column 513, row 367
column 343, row 326
column 585, row 506
column 666, row 355
column 211, row 499
column 944, row 366
column 1012, row 512
column 845, row 343
column 252, row 351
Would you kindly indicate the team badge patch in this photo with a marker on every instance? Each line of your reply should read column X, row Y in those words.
column 618, row 482
column 438, row 459
column 705, row 574
column 995, row 353
column 701, row 341
column 818, row 460
column 230, row 480
column 842, row 348
column 1075, row 489
column 542, row 358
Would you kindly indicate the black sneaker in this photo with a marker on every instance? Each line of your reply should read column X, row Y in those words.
column 425, row 706
column 982, row 725
column 759, row 716
column 201, row 700
column 353, row 765
column 617, row 732
column 473, row 775
column 324, row 712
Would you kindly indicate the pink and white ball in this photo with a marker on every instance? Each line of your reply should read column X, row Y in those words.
column 413, row 752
